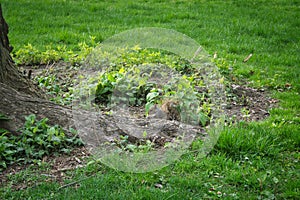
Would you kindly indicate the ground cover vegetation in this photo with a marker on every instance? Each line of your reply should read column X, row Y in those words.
column 254, row 44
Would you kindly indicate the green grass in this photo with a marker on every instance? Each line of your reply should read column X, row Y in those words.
column 251, row 160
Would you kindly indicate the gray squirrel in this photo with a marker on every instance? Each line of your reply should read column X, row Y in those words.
column 168, row 110
column 157, row 113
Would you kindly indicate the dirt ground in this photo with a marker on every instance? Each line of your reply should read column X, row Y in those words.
column 243, row 103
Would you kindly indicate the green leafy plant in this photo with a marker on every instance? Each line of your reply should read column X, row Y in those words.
column 124, row 144
column 37, row 140
column 27, row 55
column 152, row 98
column 246, row 113
column 55, row 89
column 128, row 81
column 30, row 55
column 224, row 65
column 106, row 86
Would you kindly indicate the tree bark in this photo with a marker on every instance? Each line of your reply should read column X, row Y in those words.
column 9, row 74
column 17, row 104
column 19, row 95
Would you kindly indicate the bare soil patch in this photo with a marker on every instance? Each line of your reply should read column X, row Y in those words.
column 241, row 101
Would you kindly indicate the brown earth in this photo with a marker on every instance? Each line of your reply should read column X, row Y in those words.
column 243, row 102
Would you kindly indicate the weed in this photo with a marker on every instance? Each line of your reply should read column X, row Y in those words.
column 30, row 55
column 136, row 77
column 37, row 140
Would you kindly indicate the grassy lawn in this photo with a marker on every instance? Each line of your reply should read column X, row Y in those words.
column 251, row 160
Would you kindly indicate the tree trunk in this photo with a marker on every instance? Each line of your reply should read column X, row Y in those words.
column 19, row 96
column 9, row 74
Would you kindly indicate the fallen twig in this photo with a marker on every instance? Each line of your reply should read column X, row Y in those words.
column 215, row 55
column 49, row 175
column 73, row 183
column 67, row 169
column 247, row 58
